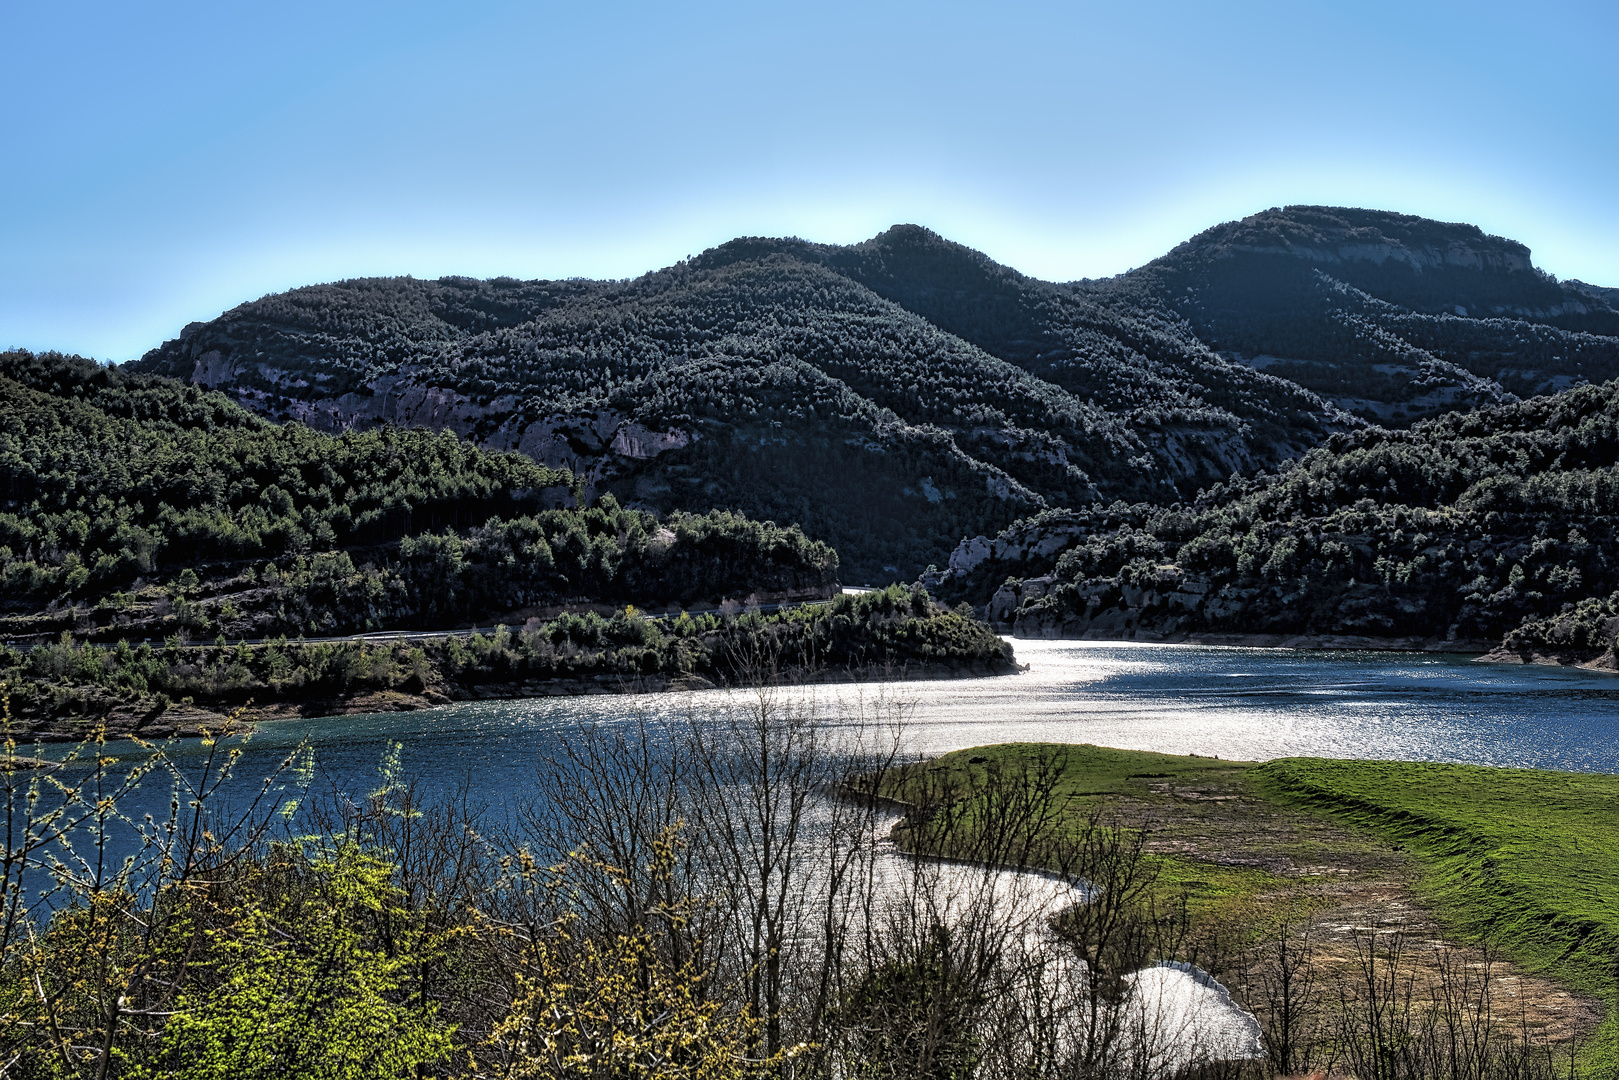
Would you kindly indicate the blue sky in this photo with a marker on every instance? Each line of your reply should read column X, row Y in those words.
column 164, row 162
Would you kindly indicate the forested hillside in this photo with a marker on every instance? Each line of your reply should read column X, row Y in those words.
column 1459, row 529
column 136, row 506
column 763, row 376
column 897, row 395
column 1393, row 317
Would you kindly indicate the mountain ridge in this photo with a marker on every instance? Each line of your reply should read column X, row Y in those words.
column 897, row 394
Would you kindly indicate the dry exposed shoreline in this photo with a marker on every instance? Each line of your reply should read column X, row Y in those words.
column 1503, row 654
column 1316, row 642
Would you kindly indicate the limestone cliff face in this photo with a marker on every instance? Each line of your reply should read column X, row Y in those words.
column 1189, row 453
column 1170, row 602
column 591, row 445
column 1025, row 550
column 1042, row 540
column 1390, row 317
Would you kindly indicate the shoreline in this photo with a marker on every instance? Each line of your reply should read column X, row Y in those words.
column 1605, row 663
column 1358, row 846
column 1482, row 652
column 1307, row 642
column 193, row 721
column 125, row 720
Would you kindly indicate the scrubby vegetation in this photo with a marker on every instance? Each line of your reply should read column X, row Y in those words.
column 63, row 689
column 1396, row 317
column 109, row 476
column 905, row 386
column 685, row 901
column 603, row 555
column 896, row 395
column 1462, row 528
column 133, row 507
column 1515, row 863
column 1588, row 631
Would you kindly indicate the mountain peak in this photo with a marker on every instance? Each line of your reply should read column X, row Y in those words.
column 1336, row 235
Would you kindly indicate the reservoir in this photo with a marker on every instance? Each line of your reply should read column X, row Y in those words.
column 1181, row 699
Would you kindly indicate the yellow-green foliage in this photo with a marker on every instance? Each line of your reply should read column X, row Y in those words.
column 294, row 982
column 217, row 953
column 621, row 1007
column 275, row 972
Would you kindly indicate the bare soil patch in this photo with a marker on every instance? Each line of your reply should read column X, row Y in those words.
column 1352, row 889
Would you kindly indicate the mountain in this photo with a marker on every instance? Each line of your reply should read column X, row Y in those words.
column 1466, row 529
column 896, row 395
column 766, row 375
column 1392, row 317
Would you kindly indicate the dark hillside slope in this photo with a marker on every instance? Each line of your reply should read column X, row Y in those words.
column 897, row 395
column 137, row 506
column 1394, row 317
column 1459, row 530
column 1124, row 351
column 774, row 386
column 764, row 376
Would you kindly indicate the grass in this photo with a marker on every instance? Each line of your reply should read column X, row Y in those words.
column 1526, row 858
column 1088, row 771
column 1100, row 778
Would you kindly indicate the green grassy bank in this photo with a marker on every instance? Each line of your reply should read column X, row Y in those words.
column 1527, row 859
column 1096, row 778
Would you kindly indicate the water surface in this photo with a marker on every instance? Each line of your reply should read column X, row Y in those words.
column 1235, row 703
column 1248, row 704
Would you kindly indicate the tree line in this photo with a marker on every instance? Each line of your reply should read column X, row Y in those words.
column 135, row 506
column 62, row 689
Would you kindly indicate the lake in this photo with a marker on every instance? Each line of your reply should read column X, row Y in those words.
column 1230, row 702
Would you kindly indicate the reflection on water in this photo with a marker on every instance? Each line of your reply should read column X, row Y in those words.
column 1237, row 703
column 1185, row 1015
column 1234, row 703
column 1176, row 1013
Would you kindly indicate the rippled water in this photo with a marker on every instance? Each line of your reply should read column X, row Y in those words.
column 1237, row 703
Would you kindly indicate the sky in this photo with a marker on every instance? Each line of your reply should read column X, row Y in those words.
column 163, row 162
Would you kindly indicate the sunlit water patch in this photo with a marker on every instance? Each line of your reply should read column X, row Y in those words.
column 1175, row 1013
column 1236, row 703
